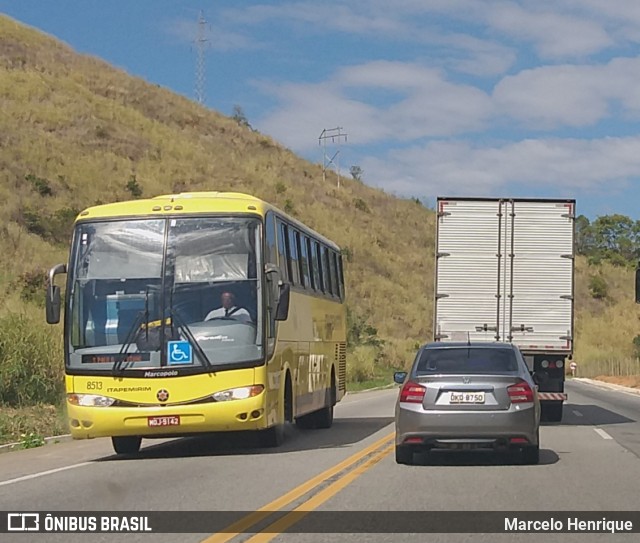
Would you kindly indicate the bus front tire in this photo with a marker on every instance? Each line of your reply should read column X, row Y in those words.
column 126, row 444
column 272, row 437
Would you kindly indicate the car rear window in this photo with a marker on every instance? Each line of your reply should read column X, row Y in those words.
column 466, row 360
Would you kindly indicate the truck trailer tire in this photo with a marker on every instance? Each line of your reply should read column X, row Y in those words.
column 551, row 411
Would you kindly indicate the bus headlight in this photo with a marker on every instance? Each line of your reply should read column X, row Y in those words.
column 90, row 400
column 241, row 393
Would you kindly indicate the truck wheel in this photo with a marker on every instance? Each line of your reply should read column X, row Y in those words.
column 551, row 411
column 127, row 444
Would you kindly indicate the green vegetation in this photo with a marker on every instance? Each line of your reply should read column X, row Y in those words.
column 76, row 132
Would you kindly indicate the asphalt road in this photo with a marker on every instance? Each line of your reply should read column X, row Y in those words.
column 589, row 462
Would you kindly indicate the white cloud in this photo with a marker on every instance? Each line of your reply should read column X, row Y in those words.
column 427, row 106
column 555, row 165
column 408, row 22
column 555, row 35
column 577, row 96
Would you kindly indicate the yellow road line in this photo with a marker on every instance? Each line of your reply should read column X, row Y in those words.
column 314, row 502
column 242, row 525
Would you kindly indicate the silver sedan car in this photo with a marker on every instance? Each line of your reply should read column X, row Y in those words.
column 466, row 396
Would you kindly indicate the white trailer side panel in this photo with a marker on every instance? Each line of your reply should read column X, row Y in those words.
column 504, row 272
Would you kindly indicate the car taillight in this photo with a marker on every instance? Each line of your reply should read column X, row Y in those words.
column 520, row 392
column 412, row 393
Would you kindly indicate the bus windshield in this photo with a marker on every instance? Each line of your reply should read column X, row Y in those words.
column 197, row 275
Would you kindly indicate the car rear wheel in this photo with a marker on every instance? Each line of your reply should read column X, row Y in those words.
column 530, row 455
column 404, row 455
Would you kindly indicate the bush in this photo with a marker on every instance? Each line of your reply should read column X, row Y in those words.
column 288, row 207
column 41, row 186
column 636, row 346
column 55, row 227
column 361, row 364
column 32, row 286
column 598, row 287
column 32, row 369
column 134, row 187
column 361, row 205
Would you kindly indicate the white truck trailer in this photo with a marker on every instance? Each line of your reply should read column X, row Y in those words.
column 505, row 272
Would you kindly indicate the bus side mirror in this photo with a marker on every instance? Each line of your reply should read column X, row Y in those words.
column 638, row 286
column 53, row 304
column 282, row 311
column 53, row 295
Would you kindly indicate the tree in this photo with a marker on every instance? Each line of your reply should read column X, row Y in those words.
column 239, row 117
column 584, row 236
column 356, row 172
column 616, row 238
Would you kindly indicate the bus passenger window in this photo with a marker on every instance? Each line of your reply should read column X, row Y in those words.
column 292, row 253
column 304, row 259
column 317, row 266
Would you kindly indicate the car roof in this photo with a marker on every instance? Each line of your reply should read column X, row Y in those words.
column 471, row 344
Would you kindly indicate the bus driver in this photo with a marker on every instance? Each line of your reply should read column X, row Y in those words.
column 229, row 310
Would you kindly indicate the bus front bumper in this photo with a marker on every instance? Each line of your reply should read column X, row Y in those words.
column 160, row 421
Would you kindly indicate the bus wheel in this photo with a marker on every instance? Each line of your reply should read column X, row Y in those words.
column 324, row 417
column 126, row 445
column 272, row 437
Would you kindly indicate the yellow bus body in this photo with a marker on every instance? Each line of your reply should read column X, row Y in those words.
column 309, row 349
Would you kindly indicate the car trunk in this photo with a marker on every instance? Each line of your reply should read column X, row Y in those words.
column 467, row 392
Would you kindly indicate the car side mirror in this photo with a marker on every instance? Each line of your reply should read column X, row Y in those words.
column 400, row 376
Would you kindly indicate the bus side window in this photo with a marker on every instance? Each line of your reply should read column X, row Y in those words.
column 341, row 276
column 317, row 266
column 282, row 250
column 326, row 268
column 292, row 253
column 313, row 273
column 304, row 260
column 334, row 273
column 270, row 237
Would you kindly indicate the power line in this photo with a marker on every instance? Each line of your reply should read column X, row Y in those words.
column 336, row 136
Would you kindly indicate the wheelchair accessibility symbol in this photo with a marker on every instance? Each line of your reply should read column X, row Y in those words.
column 180, row 352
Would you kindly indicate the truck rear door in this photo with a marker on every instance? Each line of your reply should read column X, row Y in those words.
column 504, row 272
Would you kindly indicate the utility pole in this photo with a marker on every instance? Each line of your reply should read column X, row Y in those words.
column 336, row 136
column 200, row 64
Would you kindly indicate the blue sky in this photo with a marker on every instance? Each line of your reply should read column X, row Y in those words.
column 438, row 97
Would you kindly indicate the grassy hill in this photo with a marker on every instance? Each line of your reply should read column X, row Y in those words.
column 75, row 131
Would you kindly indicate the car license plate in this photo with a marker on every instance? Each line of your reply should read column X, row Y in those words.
column 466, row 397
column 163, row 421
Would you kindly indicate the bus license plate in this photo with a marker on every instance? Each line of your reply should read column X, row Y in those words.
column 163, row 421
column 467, row 397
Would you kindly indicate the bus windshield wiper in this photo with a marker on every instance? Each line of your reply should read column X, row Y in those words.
column 182, row 325
column 131, row 335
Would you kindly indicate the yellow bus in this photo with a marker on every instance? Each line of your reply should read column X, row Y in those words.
column 199, row 312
